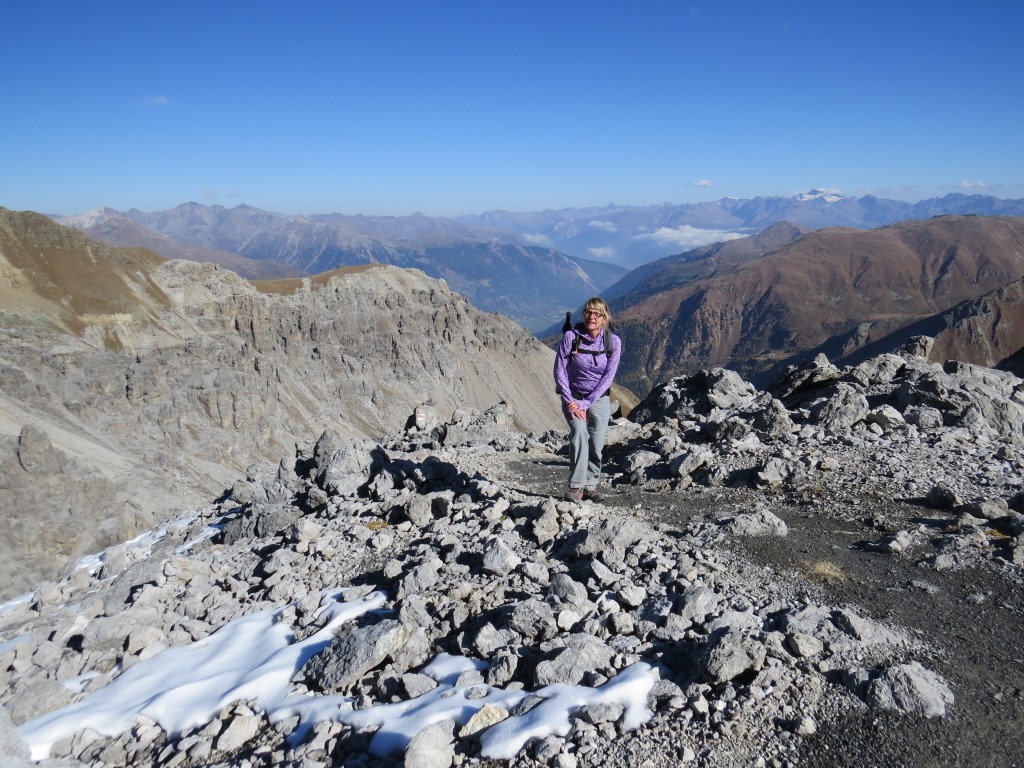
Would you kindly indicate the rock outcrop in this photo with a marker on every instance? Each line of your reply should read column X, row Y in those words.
column 555, row 627
column 147, row 386
column 951, row 436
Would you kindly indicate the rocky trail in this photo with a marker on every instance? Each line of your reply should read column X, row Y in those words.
column 827, row 573
column 969, row 620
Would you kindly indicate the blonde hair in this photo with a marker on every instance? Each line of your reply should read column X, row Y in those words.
column 597, row 304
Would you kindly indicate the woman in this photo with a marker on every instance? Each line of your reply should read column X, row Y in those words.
column 585, row 366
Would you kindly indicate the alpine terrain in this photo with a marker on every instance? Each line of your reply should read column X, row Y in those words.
column 528, row 283
column 131, row 386
column 530, row 266
column 759, row 304
column 319, row 520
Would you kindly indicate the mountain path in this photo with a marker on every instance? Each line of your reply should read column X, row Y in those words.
column 969, row 619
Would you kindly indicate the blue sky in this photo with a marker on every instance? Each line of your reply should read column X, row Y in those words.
column 393, row 107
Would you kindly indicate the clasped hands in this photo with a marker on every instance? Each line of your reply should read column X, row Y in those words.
column 576, row 411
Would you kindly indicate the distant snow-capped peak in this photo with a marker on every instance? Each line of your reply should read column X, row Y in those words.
column 828, row 195
column 89, row 218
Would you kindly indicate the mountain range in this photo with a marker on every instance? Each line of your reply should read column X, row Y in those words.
column 759, row 304
column 677, row 312
column 528, row 283
column 635, row 235
column 529, row 266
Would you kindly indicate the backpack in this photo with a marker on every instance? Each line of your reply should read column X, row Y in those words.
column 567, row 326
column 576, row 341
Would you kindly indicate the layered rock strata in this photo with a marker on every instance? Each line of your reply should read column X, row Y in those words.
column 131, row 387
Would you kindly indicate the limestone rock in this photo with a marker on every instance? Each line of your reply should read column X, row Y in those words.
column 912, row 689
column 352, row 654
column 575, row 662
column 499, row 558
column 730, row 656
column 761, row 522
column 611, row 537
column 432, row 747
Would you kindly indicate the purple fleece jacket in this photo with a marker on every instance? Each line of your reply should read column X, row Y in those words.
column 587, row 376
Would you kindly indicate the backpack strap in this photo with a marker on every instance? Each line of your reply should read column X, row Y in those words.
column 576, row 340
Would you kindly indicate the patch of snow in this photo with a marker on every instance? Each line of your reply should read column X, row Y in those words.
column 828, row 195
column 15, row 602
column 255, row 658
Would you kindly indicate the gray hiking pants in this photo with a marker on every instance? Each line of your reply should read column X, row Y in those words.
column 586, row 443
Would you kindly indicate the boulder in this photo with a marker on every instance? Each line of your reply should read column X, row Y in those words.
column 354, row 653
column 611, row 537
column 910, row 688
column 732, row 655
column 576, row 662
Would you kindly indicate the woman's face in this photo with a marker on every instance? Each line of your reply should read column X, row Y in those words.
column 594, row 321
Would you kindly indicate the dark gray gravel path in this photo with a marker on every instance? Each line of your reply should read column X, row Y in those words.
column 970, row 620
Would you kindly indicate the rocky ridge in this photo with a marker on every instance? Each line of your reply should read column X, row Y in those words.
column 497, row 272
column 478, row 559
column 131, row 387
column 923, row 417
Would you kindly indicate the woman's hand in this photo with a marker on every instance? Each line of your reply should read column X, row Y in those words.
column 576, row 412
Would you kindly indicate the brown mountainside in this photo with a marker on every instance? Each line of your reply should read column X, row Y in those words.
column 985, row 331
column 672, row 271
column 55, row 276
column 834, row 290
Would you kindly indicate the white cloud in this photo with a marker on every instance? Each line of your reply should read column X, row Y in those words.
column 702, row 183
column 603, row 254
column 972, row 184
column 541, row 240
column 604, row 226
column 687, row 237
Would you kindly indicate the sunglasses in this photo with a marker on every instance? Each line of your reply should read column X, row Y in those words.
column 590, row 313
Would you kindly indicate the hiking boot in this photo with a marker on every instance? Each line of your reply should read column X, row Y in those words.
column 591, row 494
column 574, row 494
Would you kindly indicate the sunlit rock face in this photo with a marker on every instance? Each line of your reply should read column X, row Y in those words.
column 148, row 385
